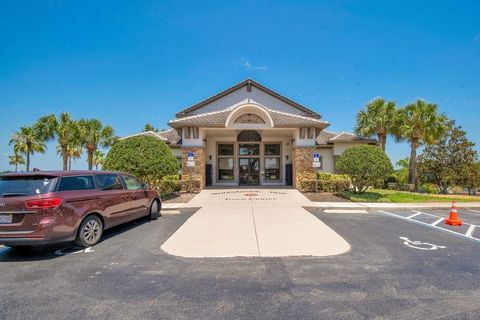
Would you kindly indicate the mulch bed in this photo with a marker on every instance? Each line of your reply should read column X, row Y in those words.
column 324, row 197
column 178, row 197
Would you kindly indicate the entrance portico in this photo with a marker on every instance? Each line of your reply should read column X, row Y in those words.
column 250, row 135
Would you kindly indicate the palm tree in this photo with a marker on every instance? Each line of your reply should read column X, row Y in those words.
column 418, row 123
column 92, row 135
column 27, row 141
column 98, row 157
column 15, row 160
column 73, row 152
column 63, row 128
column 402, row 172
column 377, row 117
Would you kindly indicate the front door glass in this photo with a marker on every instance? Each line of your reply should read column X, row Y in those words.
column 249, row 171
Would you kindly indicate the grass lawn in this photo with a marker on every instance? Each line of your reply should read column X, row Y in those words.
column 381, row 195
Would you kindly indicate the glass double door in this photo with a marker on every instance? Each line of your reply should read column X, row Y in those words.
column 249, row 170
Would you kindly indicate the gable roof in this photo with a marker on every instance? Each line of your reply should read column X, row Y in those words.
column 219, row 118
column 248, row 83
column 328, row 137
column 169, row 136
column 145, row 133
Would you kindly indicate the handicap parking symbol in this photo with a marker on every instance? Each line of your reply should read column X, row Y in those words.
column 420, row 245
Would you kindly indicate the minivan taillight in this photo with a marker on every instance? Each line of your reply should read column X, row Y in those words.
column 46, row 203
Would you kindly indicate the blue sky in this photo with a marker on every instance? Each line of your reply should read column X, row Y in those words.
column 132, row 62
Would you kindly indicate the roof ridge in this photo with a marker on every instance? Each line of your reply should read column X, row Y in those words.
column 239, row 85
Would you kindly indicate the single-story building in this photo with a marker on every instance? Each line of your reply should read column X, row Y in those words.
column 251, row 135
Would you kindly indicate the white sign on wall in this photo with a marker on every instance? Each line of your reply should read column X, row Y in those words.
column 316, row 164
column 190, row 163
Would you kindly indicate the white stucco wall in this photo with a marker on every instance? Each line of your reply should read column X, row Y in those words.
column 241, row 96
column 340, row 147
column 327, row 158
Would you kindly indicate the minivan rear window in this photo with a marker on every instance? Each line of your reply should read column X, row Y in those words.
column 26, row 185
column 76, row 183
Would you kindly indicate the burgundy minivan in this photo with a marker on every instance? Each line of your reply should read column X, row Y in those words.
column 58, row 206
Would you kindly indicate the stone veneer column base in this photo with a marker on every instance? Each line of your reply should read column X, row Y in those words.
column 302, row 165
column 198, row 172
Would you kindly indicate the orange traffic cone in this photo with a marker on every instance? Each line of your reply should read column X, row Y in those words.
column 453, row 218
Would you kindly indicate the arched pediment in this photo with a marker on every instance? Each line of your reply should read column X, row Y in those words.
column 249, row 116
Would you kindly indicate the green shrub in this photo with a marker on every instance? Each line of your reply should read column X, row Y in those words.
column 365, row 164
column 169, row 186
column 145, row 157
column 174, row 177
column 191, row 185
column 392, row 186
column 333, row 182
column 428, row 188
column 307, row 185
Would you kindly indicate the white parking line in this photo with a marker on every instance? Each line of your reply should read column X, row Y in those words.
column 477, row 211
column 472, row 227
column 414, row 215
column 437, row 221
column 470, row 231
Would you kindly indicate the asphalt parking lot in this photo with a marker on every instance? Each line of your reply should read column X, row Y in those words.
column 396, row 269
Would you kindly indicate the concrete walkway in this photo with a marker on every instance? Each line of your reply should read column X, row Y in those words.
column 253, row 222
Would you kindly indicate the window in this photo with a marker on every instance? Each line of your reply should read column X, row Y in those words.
column 249, row 135
column 272, row 149
column 272, row 161
column 248, row 149
column 76, row 183
column 109, row 182
column 249, row 118
column 225, row 162
column 26, row 185
column 225, row 149
column 133, row 183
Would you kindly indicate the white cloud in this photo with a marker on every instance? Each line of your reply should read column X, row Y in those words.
column 249, row 66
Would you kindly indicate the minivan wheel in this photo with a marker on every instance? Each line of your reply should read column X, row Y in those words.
column 90, row 232
column 154, row 210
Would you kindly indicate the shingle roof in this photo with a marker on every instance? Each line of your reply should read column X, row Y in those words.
column 349, row 137
column 218, row 119
column 328, row 137
column 169, row 136
column 172, row 136
column 145, row 133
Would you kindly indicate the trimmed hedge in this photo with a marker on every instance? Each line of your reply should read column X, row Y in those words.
column 327, row 182
column 333, row 182
column 145, row 157
column 191, row 185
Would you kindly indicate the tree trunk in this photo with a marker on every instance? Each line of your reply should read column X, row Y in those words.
column 16, row 167
column 69, row 163
column 28, row 161
column 382, row 140
column 96, row 167
column 90, row 159
column 65, row 158
column 412, row 173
